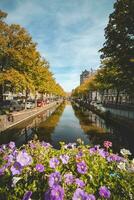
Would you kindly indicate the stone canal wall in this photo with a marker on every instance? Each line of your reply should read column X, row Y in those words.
column 123, row 118
column 7, row 121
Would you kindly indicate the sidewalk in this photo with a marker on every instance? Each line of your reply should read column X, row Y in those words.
column 7, row 121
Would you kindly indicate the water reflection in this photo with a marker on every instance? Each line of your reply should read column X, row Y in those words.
column 99, row 130
column 61, row 126
column 25, row 131
column 68, row 123
column 47, row 127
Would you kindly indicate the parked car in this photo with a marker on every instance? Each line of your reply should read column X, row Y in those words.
column 47, row 101
column 98, row 106
column 22, row 105
column 11, row 105
column 30, row 104
column 40, row 103
column 92, row 103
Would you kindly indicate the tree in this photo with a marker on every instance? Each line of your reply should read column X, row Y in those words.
column 3, row 38
column 3, row 43
column 17, row 51
column 84, row 88
column 17, row 80
column 19, row 58
column 110, row 78
column 119, row 44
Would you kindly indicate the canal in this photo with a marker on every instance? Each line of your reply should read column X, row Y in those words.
column 67, row 123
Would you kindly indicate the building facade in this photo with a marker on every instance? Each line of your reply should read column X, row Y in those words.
column 85, row 75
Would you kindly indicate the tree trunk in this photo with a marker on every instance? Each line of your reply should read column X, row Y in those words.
column 42, row 96
column 26, row 97
column 117, row 97
column 1, row 92
column 35, row 99
column 102, row 96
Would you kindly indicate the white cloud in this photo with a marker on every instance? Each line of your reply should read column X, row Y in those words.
column 68, row 33
column 24, row 12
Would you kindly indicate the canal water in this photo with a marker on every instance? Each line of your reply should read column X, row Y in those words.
column 67, row 123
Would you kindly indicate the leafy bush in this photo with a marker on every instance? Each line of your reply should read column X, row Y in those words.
column 38, row 171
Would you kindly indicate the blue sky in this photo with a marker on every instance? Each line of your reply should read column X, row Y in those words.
column 69, row 33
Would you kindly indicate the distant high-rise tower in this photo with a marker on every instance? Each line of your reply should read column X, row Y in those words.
column 85, row 75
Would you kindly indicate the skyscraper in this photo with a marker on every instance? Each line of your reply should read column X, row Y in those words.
column 85, row 75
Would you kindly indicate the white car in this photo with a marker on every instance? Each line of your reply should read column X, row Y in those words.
column 30, row 105
column 92, row 103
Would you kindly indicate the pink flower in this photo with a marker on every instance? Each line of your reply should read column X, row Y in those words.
column 107, row 144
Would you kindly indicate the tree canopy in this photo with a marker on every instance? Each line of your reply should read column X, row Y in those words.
column 20, row 62
column 118, row 48
column 89, row 85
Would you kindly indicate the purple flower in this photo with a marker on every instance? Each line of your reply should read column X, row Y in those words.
column 97, row 147
column 64, row 158
column 82, row 167
column 79, row 183
column 32, row 145
column 16, row 168
column 70, row 146
column 11, row 145
column 92, row 150
column 7, row 164
column 80, row 154
column 54, row 162
column 69, row 178
column 91, row 197
column 15, row 153
column 1, row 150
column 110, row 158
column 114, row 157
column 5, row 157
column 47, row 195
column 79, row 194
column 54, row 179
column 45, row 144
column 103, row 153
column 23, row 158
column 10, row 158
column 39, row 168
column 55, row 193
column 27, row 195
column 104, row 192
